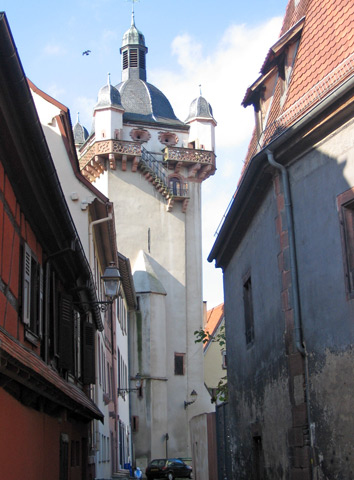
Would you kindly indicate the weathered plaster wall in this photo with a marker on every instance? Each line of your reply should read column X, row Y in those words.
column 259, row 391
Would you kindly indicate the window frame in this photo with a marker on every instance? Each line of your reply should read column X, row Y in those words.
column 345, row 206
column 32, row 295
column 248, row 310
column 176, row 367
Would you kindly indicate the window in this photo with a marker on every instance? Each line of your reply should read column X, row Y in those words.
column 125, row 59
column 142, row 59
column 248, row 309
column 133, row 58
column 346, row 216
column 179, row 363
column 135, row 424
column 224, row 359
column 32, row 292
column 175, row 186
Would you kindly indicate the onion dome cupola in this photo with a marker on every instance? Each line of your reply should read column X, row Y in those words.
column 133, row 53
column 202, row 124
column 108, row 97
column 200, row 109
column 80, row 133
column 108, row 113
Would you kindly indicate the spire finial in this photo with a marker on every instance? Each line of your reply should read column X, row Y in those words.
column 108, row 78
column 133, row 16
column 200, row 89
column 78, row 119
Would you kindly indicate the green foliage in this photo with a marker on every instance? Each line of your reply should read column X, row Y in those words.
column 221, row 392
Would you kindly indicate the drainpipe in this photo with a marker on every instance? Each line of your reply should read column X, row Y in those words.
column 292, row 251
column 96, row 427
column 91, row 225
column 300, row 344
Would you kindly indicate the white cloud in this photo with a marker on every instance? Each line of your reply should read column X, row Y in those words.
column 224, row 73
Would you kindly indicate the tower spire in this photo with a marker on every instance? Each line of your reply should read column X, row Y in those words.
column 133, row 52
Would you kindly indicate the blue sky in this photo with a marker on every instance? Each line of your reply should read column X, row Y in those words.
column 220, row 45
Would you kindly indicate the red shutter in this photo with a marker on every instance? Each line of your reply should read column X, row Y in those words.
column 26, row 286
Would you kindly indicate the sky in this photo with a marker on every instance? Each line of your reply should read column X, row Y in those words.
column 218, row 45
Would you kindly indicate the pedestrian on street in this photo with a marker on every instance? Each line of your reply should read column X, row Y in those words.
column 138, row 473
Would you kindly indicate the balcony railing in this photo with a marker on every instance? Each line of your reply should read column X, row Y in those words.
column 189, row 156
column 106, row 147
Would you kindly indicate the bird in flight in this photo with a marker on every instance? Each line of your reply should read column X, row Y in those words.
column 86, row 52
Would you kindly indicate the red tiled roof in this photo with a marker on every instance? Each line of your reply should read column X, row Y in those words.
column 325, row 58
column 327, row 40
column 66, row 393
column 214, row 318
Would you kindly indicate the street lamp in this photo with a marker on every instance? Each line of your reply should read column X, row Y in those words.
column 122, row 391
column 194, row 395
column 111, row 280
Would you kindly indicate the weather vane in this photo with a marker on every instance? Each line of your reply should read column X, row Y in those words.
column 132, row 2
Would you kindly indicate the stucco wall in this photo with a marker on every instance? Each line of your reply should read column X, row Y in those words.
column 259, row 376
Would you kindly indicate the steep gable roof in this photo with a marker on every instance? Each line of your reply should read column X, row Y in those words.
column 309, row 90
column 324, row 59
column 215, row 316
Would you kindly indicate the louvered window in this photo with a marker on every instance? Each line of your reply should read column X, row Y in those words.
column 141, row 59
column 125, row 60
column 32, row 292
column 133, row 57
column 66, row 334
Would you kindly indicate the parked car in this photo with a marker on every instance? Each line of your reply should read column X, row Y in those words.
column 169, row 468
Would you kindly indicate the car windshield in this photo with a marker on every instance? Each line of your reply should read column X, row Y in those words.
column 158, row 463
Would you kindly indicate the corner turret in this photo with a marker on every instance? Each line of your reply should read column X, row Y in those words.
column 108, row 113
column 202, row 124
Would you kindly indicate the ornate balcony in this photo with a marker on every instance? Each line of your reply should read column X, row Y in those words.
column 92, row 159
column 200, row 163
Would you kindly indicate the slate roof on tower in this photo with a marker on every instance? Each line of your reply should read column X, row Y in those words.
column 200, row 108
column 143, row 102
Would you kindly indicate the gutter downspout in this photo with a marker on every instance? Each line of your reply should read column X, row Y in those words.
column 299, row 342
column 91, row 225
column 292, row 250
column 96, row 435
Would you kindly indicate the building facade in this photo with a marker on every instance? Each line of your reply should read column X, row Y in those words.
column 151, row 165
column 110, row 445
column 286, row 253
column 47, row 363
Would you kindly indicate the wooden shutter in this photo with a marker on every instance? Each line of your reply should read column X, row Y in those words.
column 88, row 374
column 26, row 286
column 66, row 333
column 40, row 303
